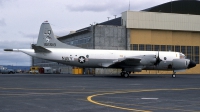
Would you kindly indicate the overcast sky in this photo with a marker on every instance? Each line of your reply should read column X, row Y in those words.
column 20, row 20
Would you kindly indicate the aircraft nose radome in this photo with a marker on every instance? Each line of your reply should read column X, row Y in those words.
column 191, row 64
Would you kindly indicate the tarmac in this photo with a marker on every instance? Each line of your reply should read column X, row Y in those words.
column 100, row 93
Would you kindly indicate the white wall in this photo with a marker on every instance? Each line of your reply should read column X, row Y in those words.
column 161, row 21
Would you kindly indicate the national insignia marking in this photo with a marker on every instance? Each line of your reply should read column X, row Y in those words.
column 81, row 59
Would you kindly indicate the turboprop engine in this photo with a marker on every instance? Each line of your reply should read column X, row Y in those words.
column 180, row 64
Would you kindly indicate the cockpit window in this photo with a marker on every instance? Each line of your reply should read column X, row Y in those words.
column 182, row 56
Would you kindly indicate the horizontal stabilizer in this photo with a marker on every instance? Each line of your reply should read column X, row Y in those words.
column 39, row 49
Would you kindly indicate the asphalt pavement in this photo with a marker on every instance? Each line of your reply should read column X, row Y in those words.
column 100, row 93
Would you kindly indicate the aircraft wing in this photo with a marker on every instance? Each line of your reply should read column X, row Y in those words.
column 134, row 61
column 122, row 62
column 127, row 62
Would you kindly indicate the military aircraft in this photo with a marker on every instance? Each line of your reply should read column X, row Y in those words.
column 49, row 48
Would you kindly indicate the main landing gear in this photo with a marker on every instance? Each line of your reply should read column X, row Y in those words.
column 125, row 74
column 174, row 75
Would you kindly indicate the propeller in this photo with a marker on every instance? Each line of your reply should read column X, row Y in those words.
column 158, row 60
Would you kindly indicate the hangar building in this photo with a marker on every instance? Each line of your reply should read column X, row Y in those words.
column 172, row 26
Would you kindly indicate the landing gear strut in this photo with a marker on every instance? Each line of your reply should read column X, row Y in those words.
column 125, row 74
column 174, row 75
column 122, row 74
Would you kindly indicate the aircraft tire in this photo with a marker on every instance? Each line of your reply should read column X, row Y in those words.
column 126, row 75
column 173, row 75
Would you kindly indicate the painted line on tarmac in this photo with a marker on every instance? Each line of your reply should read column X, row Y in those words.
column 39, row 89
column 149, row 98
column 51, row 93
column 89, row 98
column 45, row 91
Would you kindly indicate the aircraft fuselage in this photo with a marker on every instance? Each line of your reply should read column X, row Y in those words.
column 103, row 58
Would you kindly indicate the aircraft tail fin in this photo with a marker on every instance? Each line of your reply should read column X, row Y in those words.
column 47, row 39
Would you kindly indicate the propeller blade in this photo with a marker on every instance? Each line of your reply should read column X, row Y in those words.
column 158, row 60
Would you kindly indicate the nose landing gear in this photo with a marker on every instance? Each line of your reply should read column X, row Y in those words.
column 174, row 75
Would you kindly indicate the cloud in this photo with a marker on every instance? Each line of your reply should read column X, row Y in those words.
column 14, row 58
column 29, row 35
column 17, row 44
column 111, row 7
column 2, row 2
column 97, row 6
column 2, row 22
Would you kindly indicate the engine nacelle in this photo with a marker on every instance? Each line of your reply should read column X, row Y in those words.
column 179, row 64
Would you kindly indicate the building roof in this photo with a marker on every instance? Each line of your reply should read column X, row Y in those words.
column 115, row 22
column 180, row 7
